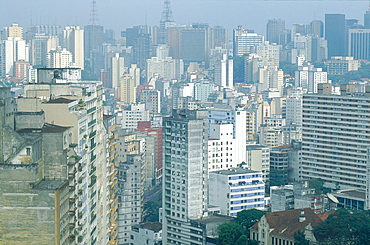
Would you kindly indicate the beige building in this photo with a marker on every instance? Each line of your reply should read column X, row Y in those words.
column 128, row 89
column 95, row 180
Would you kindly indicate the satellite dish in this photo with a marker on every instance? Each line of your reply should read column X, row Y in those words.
column 332, row 198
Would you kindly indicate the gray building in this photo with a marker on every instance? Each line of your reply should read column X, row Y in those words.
column 185, row 176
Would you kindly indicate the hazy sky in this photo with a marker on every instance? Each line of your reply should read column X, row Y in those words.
column 119, row 14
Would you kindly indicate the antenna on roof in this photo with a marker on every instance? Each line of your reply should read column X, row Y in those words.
column 167, row 12
column 94, row 13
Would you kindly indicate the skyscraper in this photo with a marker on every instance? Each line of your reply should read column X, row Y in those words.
column 335, row 34
column 74, row 42
column 245, row 41
column 275, row 31
column 335, row 139
column 185, row 175
column 367, row 19
column 359, row 43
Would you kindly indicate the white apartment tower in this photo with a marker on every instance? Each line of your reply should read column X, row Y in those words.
column 308, row 77
column 221, row 147
column 185, row 175
column 335, row 139
column 245, row 41
column 74, row 42
column 238, row 119
column 224, row 75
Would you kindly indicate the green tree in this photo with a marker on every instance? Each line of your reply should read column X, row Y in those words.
column 300, row 238
column 229, row 233
column 151, row 211
column 318, row 184
column 344, row 227
column 288, row 68
column 247, row 218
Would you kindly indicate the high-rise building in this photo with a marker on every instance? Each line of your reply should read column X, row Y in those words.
column 93, row 38
column 245, row 41
column 317, row 28
column 128, row 89
column 308, row 77
column 60, row 58
column 141, row 50
column 74, row 42
column 224, row 72
column 40, row 47
column 221, row 153
column 367, row 19
column 195, row 43
column 335, row 34
column 92, row 178
column 359, row 43
column 12, row 50
column 275, row 31
column 238, row 119
column 335, row 139
column 185, row 175
column 13, row 31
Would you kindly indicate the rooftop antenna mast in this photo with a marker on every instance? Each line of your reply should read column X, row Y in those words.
column 93, row 14
column 167, row 12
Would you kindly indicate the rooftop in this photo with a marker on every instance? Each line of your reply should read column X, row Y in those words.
column 50, row 184
column 60, row 101
column 234, row 171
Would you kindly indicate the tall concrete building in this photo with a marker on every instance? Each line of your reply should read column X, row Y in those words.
column 13, row 31
column 245, row 41
column 221, row 150
column 335, row 34
column 275, row 31
column 238, row 119
column 185, row 175
column 12, row 50
column 224, row 72
column 60, row 58
column 93, row 38
column 335, row 139
column 317, row 28
column 74, row 42
column 308, row 77
column 82, row 111
column 359, row 44
column 128, row 89
column 367, row 19
column 195, row 43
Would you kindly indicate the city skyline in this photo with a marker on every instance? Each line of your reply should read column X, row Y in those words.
column 250, row 14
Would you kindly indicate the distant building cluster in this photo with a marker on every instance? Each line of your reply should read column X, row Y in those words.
column 95, row 128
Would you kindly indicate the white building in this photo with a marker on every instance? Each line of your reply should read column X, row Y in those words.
column 239, row 120
column 221, row 147
column 130, row 117
column 308, row 77
column 166, row 67
column 269, row 54
column 146, row 233
column 117, row 69
column 335, row 139
column 12, row 50
column 224, row 76
column 245, row 41
column 236, row 189
column 294, row 110
column 60, row 58
column 74, row 42
column 202, row 89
